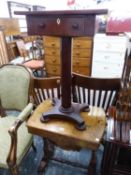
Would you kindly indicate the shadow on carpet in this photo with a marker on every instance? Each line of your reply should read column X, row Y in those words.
column 29, row 165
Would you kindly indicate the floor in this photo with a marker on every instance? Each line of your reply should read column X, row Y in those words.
column 29, row 165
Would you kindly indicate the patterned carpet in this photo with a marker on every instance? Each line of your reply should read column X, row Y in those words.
column 29, row 165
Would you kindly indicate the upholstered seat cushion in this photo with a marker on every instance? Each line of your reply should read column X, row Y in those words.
column 34, row 64
column 24, row 140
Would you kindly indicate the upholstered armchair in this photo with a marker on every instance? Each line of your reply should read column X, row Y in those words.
column 15, row 87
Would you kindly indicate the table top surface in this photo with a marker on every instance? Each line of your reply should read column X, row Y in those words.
column 64, row 132
column 65, row 12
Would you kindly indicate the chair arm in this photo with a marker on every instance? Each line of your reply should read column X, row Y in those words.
column 26, row 112
column 11, row 158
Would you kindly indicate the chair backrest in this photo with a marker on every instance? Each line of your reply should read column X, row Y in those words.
column 15, row 86
column 99, row 92
column 22, row 48
column 4, row 59
column 45, row 88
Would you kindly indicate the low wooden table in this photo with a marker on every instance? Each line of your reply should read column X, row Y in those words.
column 64, row 134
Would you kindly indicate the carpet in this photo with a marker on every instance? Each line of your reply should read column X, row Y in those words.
column 29, row 165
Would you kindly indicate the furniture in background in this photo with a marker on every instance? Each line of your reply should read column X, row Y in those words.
column 101, row 92
column 52, row 50
column 10, row 28
column 45, row 88
column 108, row 55
column 4, row 59
column 15, row 88
column 35, row 64
column 81, row 55
column 118, row 134
column 82, row 48
column 117, row 138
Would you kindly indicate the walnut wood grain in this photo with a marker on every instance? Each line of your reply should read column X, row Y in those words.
column 64, row 134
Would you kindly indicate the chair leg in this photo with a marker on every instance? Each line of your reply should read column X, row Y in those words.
column 14, row 170
column 92, row 166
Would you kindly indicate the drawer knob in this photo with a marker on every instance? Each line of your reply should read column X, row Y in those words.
column 75, row 26
column 53, row 60
column 54, row 70
column 42, row 25
column 78, row 44
column 77, row 53
column 77, row 62
column 53, row 44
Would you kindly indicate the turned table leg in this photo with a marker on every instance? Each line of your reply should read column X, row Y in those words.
column 48, row 149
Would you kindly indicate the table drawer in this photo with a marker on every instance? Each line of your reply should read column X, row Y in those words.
column 82, row 52
column 52, row 51
column 53, row 42
column 82, row 42
column 64, row 26
column 53, row 70
column 81, row 61
column 81, row 70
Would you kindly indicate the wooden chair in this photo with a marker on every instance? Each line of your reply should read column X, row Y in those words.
column 117, row 152
column 15, row 141
column 34, row 64
column 4, row 59
column 45, row 88
column 101, row 92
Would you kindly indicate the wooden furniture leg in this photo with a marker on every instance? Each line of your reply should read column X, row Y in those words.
column 109, row 158
column 48, row 149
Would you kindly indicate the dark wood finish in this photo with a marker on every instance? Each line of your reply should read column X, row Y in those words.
column 118, row 134
column 126, row 75
column 117, row 137
column 62, row 23
column 99, row 92
column 65, row 24
column 45, row 88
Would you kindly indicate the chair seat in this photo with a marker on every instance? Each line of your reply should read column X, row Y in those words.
column 34, row 64
column 24, row 140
